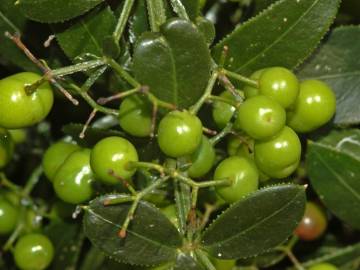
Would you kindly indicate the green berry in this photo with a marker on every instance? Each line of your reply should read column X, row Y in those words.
column 323, row 266
column 33, row 252
column 314, row 107
column 179, row 133
column 202, row 159
column 260, row 117
column 280, row 84
column 112, row 155
column 279, row 156
column 222, row 112
column 244, row 177
column 9, row 215
column 55, row 156
column 73, row 180
column 135, row 116
column 251, row 91
column 26, row 110
column 6, row 147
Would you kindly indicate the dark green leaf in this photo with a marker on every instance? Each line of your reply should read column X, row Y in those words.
column 207, row 28
column 174, row 64
column 51, row 11
column 334, row 169
column 87, row 34
column 253, row 225
column 67, row 239
column 339, row 257
column 151, row 238
column 92, row 135
column 12, row 21
column 192, row 8
column 185, row 261
column 139, row 21
column 260, row 5
column 336, row 64
column 283, row 35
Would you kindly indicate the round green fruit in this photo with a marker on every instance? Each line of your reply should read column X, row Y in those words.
column 6, row 147
column 223, row 264
column 135, row 116
column 313, row 223
column 33, row 252
column 243, row 174
column 279, row 156
column 222, row 112
column 110, row 158
column 9, row 215
column 323, row 266
column 251, row 91
column 26, row 110
column 280, row 84
column 202, row 159
column 73, row 180
column 179, row 133
column 260, row 117
column 55, row 156
column 18, row 135
column 314, row 107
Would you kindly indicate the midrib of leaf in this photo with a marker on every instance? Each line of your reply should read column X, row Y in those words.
column 91, row 37
column 279, row 38
column 261, row 221
column 8, row 22
column 336, row 75
column 129, row 230
column 339, row 177
column 174, row 77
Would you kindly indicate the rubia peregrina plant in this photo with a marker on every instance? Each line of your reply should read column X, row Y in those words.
column 205, row 161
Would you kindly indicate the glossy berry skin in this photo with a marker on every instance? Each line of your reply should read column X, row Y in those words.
column 179, row 133
column 33, row 252
column 9, row 215
column 279, row 156
column 73, row 180
column 202, row 159
column 260, row 117
column 243, row 174
column 251, row 91
column 25, row 110
column 6, row 147
column 223, row 112
column 113, row 154
column 314, row 107
column 279, row 84
column 135, row 116
column 313, row 223
column 55, row 156
column 323, row 266
column 238, row 146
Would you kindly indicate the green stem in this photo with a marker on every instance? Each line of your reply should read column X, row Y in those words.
column 124, row 17
column 7, row 183
column 84, row 66
column 225, row 100
column 179, row 9
column 240, row 78
column 122, row 72
column 204, row 259
column 214, row 140
column 157, row 14
column 194, row 109
column 146, row 165
column 33, row 180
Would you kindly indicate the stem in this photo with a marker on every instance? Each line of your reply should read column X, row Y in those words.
column 15, row 234
column 194, row 109
column 204, row 259
column 33, row 180
column 179, row 9
column 240, row 78
column 214, row 140
column 7, row 183
column 225, row 100
column 147, row 165
column 84, row 66
column 122, row 72
column 120, row 95
column 157, row 15
column 124, row 16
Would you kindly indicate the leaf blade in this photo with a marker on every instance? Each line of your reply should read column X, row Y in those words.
column 246, row 230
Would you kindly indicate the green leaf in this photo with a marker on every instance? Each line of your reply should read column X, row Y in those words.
column 337, row 64
column 12, row 21
column 151, row 238
column 339, row 257
column 192, row 8
column 174, row 64
column 87, row 34
column 139, row 22
column 67, row 239
column 51, row 11
column 185, row 261
column 283, row 35
column 260, row 5
column 334, row 170
column 253, row 226
column 92, row 135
